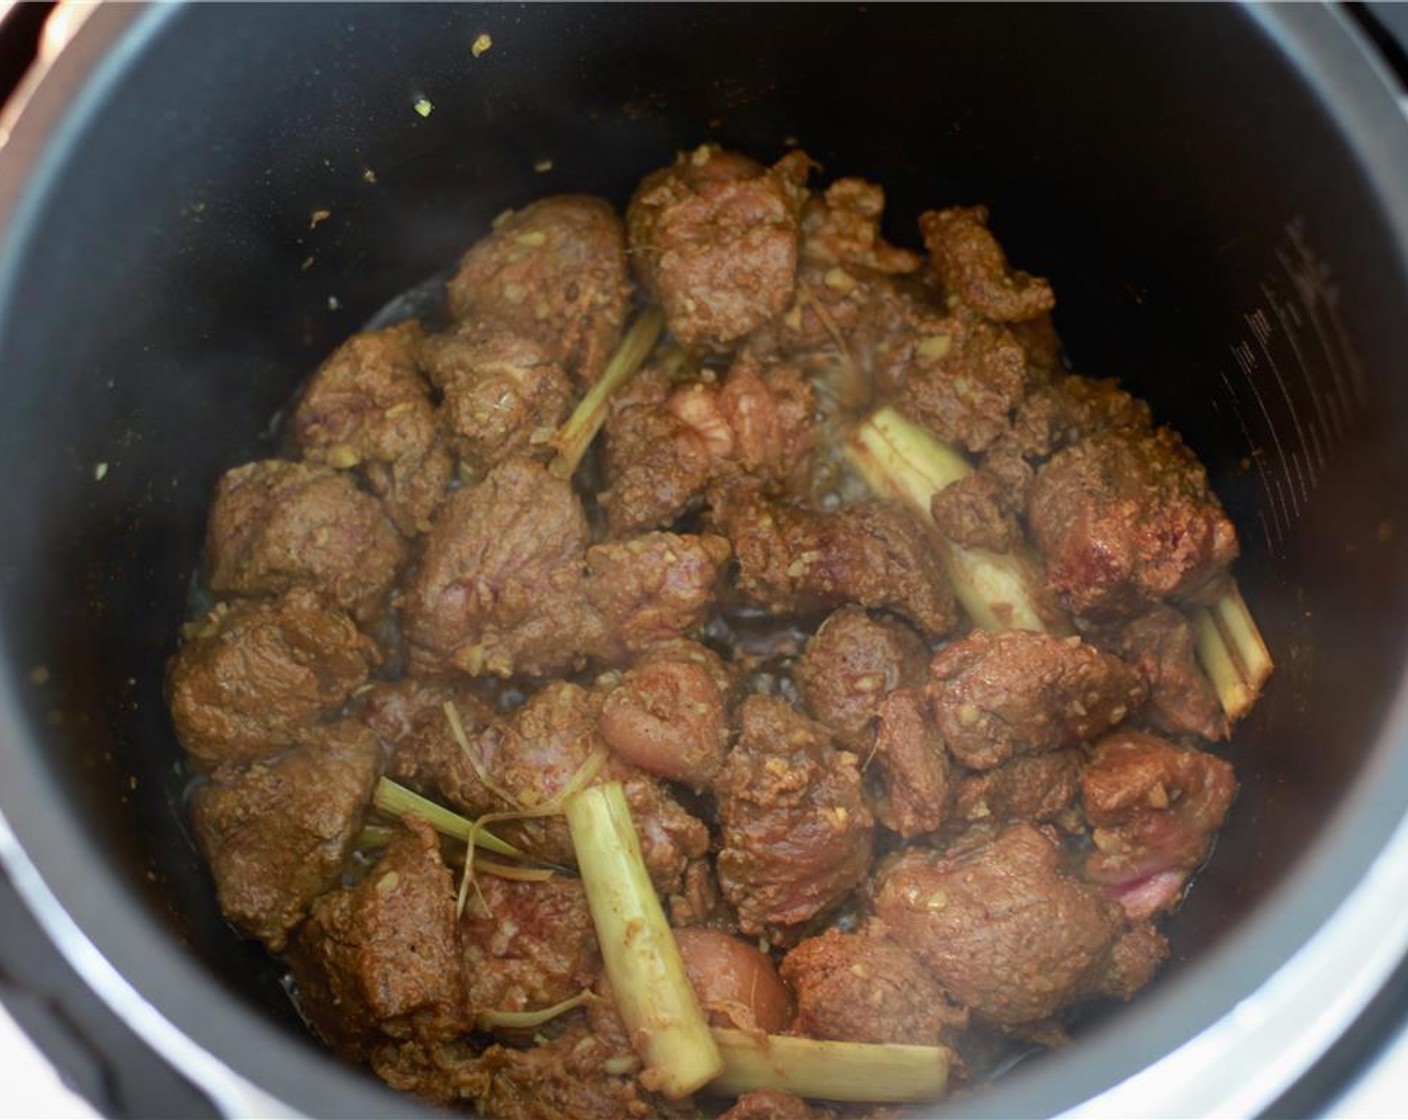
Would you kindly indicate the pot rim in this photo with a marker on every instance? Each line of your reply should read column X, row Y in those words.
column 1240, row 1025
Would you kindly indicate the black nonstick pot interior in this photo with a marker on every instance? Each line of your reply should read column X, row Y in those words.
column 1204, row 191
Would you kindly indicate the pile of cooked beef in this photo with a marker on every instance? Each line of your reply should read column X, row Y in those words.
column 905, row 829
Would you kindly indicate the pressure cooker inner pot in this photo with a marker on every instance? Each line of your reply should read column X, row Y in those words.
column 1211, row 232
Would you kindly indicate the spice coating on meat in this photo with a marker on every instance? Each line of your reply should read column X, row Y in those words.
column 863, row 987
column 499, row 588
column 714, row 239
column 769, row 410
column 998, row 695
column 580, row 1074
column 976, row 512
column 555, row 272
column 652, row 589
column 1182, row 701
column 504, row 394
column 1155, row 808
column 797, row 833
column 276, row 834
column 1005, row 928
column 526, row 945
column 916, row 773
column 769, row 1104
column 254, row 675
column 973, row 267
column 1030, row 787
column 368, row 407
column 799, row 561
column 382, row 958
column 275, row 525
column 658, row 460
column 852, row 662
column 1126, row 519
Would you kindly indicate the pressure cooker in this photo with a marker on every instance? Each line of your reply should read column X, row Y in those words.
column 1219, row 193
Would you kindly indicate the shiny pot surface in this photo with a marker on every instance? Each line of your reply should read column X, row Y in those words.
column 1217, row 193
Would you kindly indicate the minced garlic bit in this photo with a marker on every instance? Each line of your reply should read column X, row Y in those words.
column 543, row 166
column 423, row 106
column 318, row 216
column 100, row 472
column 368, row 175
column 333, row 303
column 482, row 43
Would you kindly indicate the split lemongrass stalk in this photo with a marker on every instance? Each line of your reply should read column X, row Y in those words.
column 1233, row 652
column 398, row 801
column 648, row 981
column 900, row 460
column 575, row 436
column 528, row 1020
column 833, row 1071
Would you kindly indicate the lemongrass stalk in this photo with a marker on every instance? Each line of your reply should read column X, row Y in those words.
column 373, row 836
column 1217, row 661
column 398, row 801
column 903, row 462
column 834, row 1071
column 1243, row 638
column 527, row 1020
column 576, row 435
column 1232, row 652
column 653, row 994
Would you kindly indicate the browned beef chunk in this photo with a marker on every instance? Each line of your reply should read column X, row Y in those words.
column 1182, row 701
column 849, row 666
column 797, row 834
column 842, row 226
column 665, row 444
column 579, row 1074
column 1003, row 925
column 998, row 695
column 554, row 271
column 863, row 987
column 369, row 407
column 499, row 589
column 1056, row 415
column 769, row 1104
column 769, row 410
column 699, row 902
column 1125, row 519
column 1030, row 787
column 382, row 959
column 253, row 675
column 953, row 372
column 276, row 525
column 276, row 833
column 504, row 393
column 669, row 717
column 973, row 267
column 661, row 445
column 527, row 946
column 651, row 589
column 844, row 265
column 977, row 512
column 916, row 773
column 714, row 239
column 410, row 718
column 1134, row 960
column 736, row 983
column 800, row 561
column 1155, row 808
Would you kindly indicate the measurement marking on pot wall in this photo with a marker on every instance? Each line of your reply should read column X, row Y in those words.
column 1300, row 419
